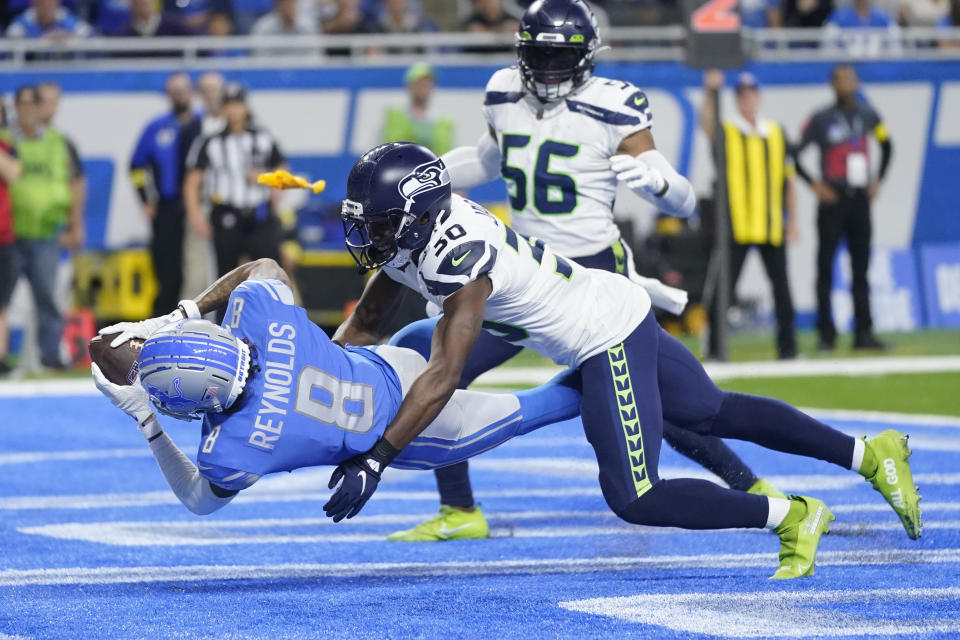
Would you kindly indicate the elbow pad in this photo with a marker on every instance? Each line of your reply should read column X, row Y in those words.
column 472, row 166
column 679, row 200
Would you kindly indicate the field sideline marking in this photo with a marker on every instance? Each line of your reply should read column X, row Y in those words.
column 539, row 375
column 778, row 614
column 306, row 571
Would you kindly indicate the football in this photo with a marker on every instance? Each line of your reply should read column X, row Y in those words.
column 118, row 365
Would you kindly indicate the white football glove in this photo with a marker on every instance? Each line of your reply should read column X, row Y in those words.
column 131, row 399
column 638, row 175
column 145, row 328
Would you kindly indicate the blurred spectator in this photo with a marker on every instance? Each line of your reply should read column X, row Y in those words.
column 109, row 16
column 48, row 19
column 758, row 161
column 806, row 13
column 862, row 14
column 211, row 85
column 146, row 21
column 950, row 21
column 283, row 20
column 43, row 203
column 397, row 16
column 193, row 14
column 157, row 169
column 48, row 95
column 921, row 13
column 491, row 16
column 242, row 218
column 845, row 189
column 219, row 23
column 760, row 14
column 417, row 122
column 9, row 172
column 345, row 16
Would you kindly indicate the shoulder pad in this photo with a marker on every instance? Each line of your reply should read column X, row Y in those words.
column 504, row 87
column 613, row 102
column 463, row 248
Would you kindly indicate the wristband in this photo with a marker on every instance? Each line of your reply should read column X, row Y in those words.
column 189, row 308
column 150, row 428
column 384, row 452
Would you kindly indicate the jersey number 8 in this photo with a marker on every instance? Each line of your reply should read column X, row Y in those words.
column 546, row 185
column 340, row 403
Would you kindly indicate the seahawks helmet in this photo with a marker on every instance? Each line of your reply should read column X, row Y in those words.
column 395, row 193
column 191, row 367
column 556, row 43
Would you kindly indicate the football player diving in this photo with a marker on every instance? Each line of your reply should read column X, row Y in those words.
column 402, row 218
column 563, row 138
column 273, row 393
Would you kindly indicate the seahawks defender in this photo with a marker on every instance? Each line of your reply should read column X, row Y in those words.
column 562, row 138
column 274, row 394
column 401, row 216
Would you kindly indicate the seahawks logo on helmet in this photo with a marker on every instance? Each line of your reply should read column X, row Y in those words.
column 425, row 177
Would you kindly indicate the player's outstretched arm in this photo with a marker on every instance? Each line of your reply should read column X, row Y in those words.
column 194, row 491
column 640, row 166
column 377, row 305
column 453, row 339
column 472, row 166
column 213, row 298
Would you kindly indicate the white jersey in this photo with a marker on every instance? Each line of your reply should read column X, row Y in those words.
column 539, row 300
column 556, row 157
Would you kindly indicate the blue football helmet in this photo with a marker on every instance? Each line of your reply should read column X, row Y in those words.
column 191, row 367
column 395, row 193
column 556, row 43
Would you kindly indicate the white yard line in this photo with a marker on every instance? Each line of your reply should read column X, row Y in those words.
column 777, row 613
column 308, row 571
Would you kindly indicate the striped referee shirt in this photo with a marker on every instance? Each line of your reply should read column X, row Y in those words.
column 229, row 160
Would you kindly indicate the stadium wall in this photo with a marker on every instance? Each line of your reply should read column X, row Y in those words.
column 324, row 118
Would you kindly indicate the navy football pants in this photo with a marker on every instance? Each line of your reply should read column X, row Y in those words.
column 632, row 387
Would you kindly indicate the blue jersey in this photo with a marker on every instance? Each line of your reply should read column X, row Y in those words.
column 158, row 150
column 307, row 402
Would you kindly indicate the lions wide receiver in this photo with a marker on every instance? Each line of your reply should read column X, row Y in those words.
column 563, row 139
column 275, row 394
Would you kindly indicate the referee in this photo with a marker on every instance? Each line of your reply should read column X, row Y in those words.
column 845, row 190
column 156, row 169
column 761, row 193
column 242, row 220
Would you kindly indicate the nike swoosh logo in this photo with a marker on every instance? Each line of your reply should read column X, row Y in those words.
column 639, row 101
column 446, row 532
column 363, row 479
column 456, row 261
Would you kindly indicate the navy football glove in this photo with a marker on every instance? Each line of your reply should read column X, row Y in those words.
column 358, row 478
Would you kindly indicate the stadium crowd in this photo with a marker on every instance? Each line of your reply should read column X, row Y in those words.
column 59, row 19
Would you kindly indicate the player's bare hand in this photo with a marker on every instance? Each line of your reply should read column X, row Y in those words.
column 713, row 80
column 825, row 192
column 201, row 228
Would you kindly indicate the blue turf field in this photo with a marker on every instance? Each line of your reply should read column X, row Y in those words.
column 94, row 545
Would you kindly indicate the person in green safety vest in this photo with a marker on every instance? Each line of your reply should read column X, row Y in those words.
column 416, row 122
column 45, row 215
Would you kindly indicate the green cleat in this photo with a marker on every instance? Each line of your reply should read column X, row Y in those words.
column 763, row 488
column 894, row 480
column 451, row 524
column 799, row 537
